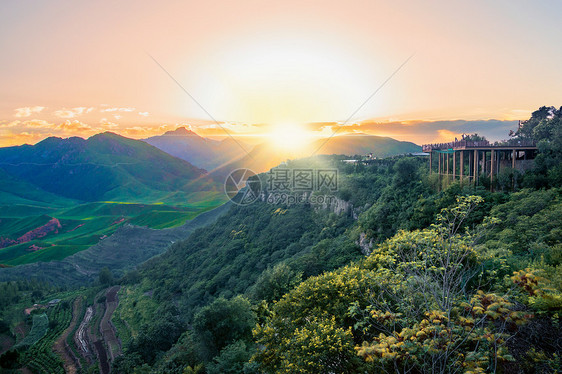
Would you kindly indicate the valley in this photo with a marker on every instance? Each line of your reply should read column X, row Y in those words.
column 273, row 285
column 62, row 196
column 280, row 187
column 46, row 238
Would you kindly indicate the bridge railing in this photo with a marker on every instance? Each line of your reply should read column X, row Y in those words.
column 477, row 144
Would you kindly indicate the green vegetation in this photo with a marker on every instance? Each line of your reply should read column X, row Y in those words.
column 85, row 225
column 83, row 190
column 39, row 357
column 105, row 167
column 124, row 250
column 393, row 276
column 38, row 330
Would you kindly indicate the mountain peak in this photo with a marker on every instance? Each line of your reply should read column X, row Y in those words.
column 180, row 131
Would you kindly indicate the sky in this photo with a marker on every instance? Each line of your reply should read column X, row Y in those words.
column 432, row 69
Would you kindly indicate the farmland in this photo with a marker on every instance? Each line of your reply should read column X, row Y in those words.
column 40, row 234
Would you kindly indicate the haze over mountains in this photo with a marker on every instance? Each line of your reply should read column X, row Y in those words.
column 61, row 196
column 221, row 157
column 202, row 152
column 362, row 144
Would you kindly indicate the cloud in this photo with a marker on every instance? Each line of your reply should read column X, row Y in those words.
column 38, row 124
column 447, row 136
column 126, row 109
column 71, row 113
column 74, row 126
column 144, row 114
column 10, row 139
column 34, row 130
column 6, row 124
column 434, row 131
column 28, row 111
column 108, row 125
column 238, row 128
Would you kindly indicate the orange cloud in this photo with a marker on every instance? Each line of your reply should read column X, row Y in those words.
column 25, row 137
column 445, row 136
column 74, row 126
column 6, row 124
column 38, row 123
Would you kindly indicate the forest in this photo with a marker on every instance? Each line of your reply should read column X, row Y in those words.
column 414, row 275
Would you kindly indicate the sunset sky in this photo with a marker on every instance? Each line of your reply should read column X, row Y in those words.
column 82, row 67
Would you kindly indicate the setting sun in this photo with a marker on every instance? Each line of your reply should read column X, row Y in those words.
column 288, row 136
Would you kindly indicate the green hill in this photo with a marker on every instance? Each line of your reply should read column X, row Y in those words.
column 104, row 167
column 90, row 188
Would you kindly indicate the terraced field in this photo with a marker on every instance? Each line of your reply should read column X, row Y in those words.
column 33, row 233
column 125, row 249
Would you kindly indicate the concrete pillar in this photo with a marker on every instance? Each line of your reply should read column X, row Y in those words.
column 469, row 166
column 475, row 158
column 430, row 153
column 462, row 166
column 513, row 157
column 454, row 165
column 492, row 168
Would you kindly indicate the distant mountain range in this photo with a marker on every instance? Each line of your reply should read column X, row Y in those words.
column 61, row 196
column 202, row 152
column 263, row 157
column 110, row 167
column 362, row 144
column 104, row 167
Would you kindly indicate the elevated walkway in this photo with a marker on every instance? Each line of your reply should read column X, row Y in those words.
column 470, row 160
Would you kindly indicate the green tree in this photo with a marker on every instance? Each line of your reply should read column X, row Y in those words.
column 106, row 276
column 411, row 302
column 231, row 359
column 310, row 325
column 275, row 282
column 222, row 323
column 9, row 360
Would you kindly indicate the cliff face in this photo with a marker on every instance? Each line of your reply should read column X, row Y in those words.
column 331, row 203
column 365, row 245
column 339, row 206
